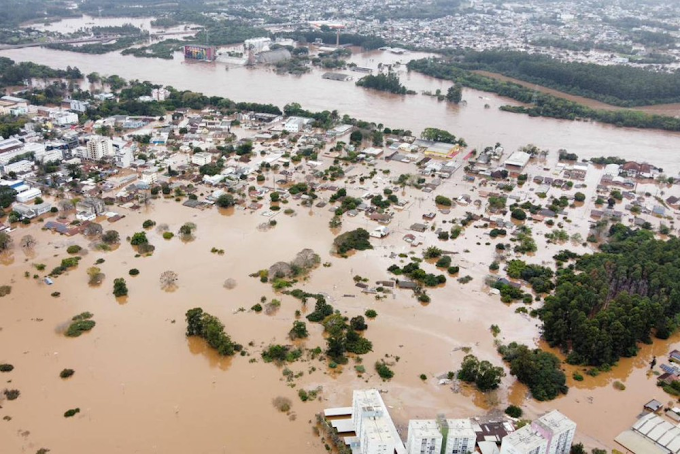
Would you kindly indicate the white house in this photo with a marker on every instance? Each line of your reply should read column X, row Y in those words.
column 201, row 159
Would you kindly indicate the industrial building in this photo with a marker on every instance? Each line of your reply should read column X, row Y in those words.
column 28, row 195
column 651, row 434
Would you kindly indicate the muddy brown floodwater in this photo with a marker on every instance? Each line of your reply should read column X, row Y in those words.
column 143, row 387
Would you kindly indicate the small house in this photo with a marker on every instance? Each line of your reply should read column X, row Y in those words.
column 653, row 406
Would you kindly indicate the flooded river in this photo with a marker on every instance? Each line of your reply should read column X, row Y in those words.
column 480, row 126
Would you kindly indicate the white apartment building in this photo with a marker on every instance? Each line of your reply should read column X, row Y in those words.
column 124, row 157
column 99, row 147
column 159, row 94
column 558, row 429
column 524, row 441
column 424, row 437
column 552, row 433
column 149, row 177
column 460, row 436
column 373, row 425
column 201, row 159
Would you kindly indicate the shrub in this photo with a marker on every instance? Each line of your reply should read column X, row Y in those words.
column 119, row 287
column 423, row 377
column 134, row 272
column 72, row 412
column 576, row 376
column 383, row 370
column 12, row 394
column 282, row 404
column 5, row 290
column 139, row 238
column 74, row 249
column 168, row 235
column 66, row 373
column 514, row 411
column 453, row 270
column 444, row 262
column 370, row 313
column 6, row 368
column 148, row 224
column 519, row 214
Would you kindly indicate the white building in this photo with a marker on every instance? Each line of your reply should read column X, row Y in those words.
column 29, row 195
column 159, row 94
column 460, row 436
column 296, row 124
column 98, row 148
column 63, row 118
column 201, row 159
column 373, row 425
column 22, row 166
column 150, row 177
column 31, row 211
column 257, row 45
column 424, row 437
column 124, row 157
column 552, row 433
column 558, row 429
column 10, row 148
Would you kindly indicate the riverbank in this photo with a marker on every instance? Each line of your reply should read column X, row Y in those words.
column 672, row 110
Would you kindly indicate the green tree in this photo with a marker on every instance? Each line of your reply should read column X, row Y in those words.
column 454, row 94
column 119, row 287
column 299, row 330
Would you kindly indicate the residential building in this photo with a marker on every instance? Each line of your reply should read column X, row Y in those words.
column 201, row 159
column 524, row 441
column 257, row 45
column 124, row 157
column 91, row 205
column 98, row 148
column 460, row 436
column 149, row 176
column 424, row 437
column 558, row 430
column 552, row 433
column 376, row 433
column 159, row 94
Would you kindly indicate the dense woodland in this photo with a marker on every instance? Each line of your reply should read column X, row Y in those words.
column 615, row 84
column 608, row 302
column 541, row 104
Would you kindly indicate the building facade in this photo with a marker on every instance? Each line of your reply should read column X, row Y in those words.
column 98, row 148
column 460, row 436
column 424, row 437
